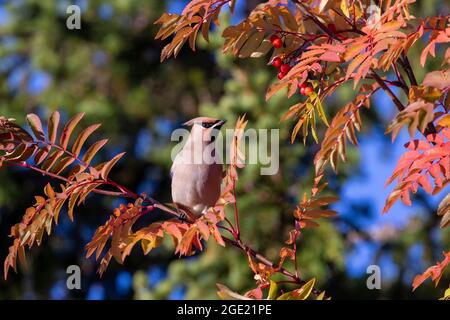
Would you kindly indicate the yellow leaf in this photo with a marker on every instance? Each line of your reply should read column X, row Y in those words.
column 444, row 121
column 344, row 8
column 273, row 290
column 304, row 292
column 226, row 294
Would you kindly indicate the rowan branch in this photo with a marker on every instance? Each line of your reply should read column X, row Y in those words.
column 123, row 193
column 403, row 61
column 261, row 258
column 388, row 91
column 237, row 243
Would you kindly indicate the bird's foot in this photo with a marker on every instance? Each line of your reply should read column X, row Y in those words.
column 182, row 215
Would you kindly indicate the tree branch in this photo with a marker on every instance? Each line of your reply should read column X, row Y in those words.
column 124, row 192
column 237, row 243
column 246, row 248
column 388, row 91
column 403, row 61
column 323, row 27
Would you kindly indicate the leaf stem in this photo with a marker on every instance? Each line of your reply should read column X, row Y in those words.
column 261, row 258
column 124, row 191
column 236, row 213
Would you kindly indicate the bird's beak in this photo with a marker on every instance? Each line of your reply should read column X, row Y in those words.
column 219, row 123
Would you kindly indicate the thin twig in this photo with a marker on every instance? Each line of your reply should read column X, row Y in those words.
column 388, row 91
column 236, row 213
column 246, row 248
column 324, row 28
column 124, row 192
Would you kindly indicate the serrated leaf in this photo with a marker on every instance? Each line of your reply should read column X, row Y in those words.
column 322, row 201
column 344, row 8
column 262, row 50
column 304, row 292
column 87, row 191
column 299, row 294
column 68, row 129
column 273, row 290
column 81, row 139
column 41, row 154
column 63, row 164
column 50, row 161
column 53, row 123
column 444, row 121
column 226, row 294
column 252, row 43
column 92, row 151
column 36, row 126
column 321, row 296
column 72, row 201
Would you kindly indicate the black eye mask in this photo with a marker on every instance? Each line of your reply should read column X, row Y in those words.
column 207, row 124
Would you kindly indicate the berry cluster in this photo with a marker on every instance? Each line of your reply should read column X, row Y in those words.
column 277, row 61
column 305, row 89
column 284, row 67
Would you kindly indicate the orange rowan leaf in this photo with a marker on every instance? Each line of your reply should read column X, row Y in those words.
column 416, row 116
column 109, row 165
column 82, row 137
column 68, row 129
column 53, row 126
column 434, row 272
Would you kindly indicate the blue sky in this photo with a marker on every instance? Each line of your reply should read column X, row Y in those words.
column 378, row 158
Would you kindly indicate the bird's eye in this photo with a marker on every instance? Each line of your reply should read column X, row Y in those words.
column 206, row 124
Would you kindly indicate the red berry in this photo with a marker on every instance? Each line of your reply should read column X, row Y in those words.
column 302, row 90
column 285, row 68
column 276, row 41
column 302, row 85
column 277, row 62
column 281, row 75
column 308, row 91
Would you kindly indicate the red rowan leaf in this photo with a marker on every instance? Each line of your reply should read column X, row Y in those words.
column 51, row 159
column 330, row 57
column 414, row 167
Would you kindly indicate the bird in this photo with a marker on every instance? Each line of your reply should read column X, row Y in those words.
column 196, row 181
